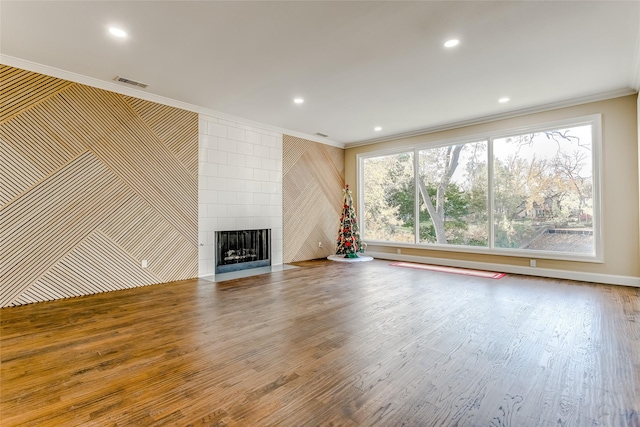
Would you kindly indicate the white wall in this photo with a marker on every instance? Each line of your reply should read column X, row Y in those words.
column 239, row 185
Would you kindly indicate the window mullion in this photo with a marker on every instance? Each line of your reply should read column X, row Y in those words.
column 416, row 192
column 490, row 199
column 360, row 196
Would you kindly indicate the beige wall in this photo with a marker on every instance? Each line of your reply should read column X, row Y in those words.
column 313, row 177
column 620, row 178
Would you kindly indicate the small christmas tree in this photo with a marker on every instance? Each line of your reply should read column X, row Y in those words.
column 348, row 243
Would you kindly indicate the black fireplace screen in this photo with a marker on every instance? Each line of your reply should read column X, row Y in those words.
column 242, row 249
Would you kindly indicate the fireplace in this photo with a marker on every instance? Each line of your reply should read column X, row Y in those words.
column 242, row 249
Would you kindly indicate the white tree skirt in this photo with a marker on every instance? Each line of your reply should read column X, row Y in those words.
column 341, row 258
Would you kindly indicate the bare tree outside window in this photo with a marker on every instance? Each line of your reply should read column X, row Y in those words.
column 543, row 191
column 453, row 194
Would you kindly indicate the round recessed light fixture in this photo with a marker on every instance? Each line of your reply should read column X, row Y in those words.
column 377, row 128
column 118, row 32
column 298, row 100
column 504, row 100
column 452, row 43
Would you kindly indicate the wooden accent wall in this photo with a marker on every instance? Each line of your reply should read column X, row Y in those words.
column 313, row 178
column 93, row 183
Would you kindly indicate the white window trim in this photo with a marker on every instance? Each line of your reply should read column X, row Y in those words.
column 595, row 120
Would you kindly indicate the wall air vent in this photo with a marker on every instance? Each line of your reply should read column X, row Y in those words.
column 130, row 82
column 324, row 135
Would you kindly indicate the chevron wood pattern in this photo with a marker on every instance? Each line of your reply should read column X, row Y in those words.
column 313, row 177
column 141, row 231
column 95, row 183
column 171, row 125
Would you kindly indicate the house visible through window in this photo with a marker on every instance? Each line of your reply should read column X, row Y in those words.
column 532, row 191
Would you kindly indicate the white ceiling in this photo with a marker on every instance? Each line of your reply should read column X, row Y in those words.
column 357, row 64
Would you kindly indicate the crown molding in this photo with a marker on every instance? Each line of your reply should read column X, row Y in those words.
column 143, row 94
column 495, row 117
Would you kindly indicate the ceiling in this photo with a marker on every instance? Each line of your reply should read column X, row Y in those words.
column 356, row 64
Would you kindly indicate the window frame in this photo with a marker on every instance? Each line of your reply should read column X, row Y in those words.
column 360, row 158
column 595, row 120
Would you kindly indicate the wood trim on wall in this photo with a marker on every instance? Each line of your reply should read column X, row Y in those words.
column 313, row 178
column 94, row 182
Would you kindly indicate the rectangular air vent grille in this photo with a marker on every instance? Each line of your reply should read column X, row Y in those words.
column 322, row 134
column 130, row 82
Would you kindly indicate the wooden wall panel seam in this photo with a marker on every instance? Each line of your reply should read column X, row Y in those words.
column 57, row 226
column 36, row 184
column 16, row 96
column 129, row 173
column 146, row 190
column 166, row 132
column 14, row 99
column 154, row 131
column 93, row 276
column 16, row 175
column 132, row 174
column 24, row 267
column 137, row 191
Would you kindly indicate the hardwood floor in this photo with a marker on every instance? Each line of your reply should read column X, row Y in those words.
column 329, row 344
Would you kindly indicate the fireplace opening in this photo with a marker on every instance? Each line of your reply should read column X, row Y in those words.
column 242, row 249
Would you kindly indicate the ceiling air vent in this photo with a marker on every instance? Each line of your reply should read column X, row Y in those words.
column 130, row 82
column 324, row 135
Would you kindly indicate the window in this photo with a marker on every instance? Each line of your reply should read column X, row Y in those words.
column 453, row 194
column 389, row 197
column 528, row 192
column 543, row 190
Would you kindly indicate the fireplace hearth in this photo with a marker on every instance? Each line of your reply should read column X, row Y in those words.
column 242, row 249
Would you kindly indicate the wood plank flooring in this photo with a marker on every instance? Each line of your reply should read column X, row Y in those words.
column 328, row 344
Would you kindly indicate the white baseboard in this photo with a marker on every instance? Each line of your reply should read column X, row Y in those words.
column 610, row 279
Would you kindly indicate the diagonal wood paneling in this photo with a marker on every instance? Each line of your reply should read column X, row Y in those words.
column 88, row 269
column 176, row 128
column 142, row 232
column 308, row 226
column 50, row 220
column 146, row 165
column 313, row 178
column 44, row 135
column 17, row 173
column 95, row 183
column 292, row 150
column 22, row 89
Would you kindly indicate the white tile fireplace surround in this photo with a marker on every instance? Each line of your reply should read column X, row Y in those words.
column 239, row 185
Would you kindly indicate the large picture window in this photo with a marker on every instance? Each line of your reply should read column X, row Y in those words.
column 532, row 191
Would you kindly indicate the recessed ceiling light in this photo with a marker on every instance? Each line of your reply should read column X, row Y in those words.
column 118, row 32
column 298, row 100
column 452, row 43
column 504, row 100
column 377, row 128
